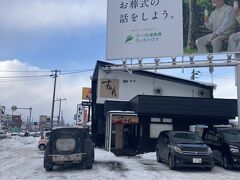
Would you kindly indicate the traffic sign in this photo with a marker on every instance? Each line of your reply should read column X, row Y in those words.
column 14, row 108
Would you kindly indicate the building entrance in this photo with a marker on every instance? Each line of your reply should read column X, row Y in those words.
column 122, row 134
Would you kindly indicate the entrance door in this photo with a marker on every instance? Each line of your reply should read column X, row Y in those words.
column 131, row 136
column 119, row 136
column 126, row 136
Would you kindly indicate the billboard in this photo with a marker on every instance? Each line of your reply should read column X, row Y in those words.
column 86, row 93
column 142, row 29
column 166, row 28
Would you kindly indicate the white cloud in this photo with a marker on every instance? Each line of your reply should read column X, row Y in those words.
column 37, row 93
column 35, row 14
column 225, row 88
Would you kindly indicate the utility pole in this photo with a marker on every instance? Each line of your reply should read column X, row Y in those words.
column 59, row 112
column 54, row 89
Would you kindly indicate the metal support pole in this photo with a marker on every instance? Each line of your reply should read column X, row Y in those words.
column 30, row 118
column 59, row 112
column 89, row 111
column 237, row 71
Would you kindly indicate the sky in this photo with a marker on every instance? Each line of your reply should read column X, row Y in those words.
column 37, row 36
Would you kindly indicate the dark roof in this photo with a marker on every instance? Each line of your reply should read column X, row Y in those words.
column 100, row 64
column 147, row 104
column 155, row 75
column 180, row 106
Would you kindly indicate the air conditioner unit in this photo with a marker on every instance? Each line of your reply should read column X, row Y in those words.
column 201, row 93
column 158, row 91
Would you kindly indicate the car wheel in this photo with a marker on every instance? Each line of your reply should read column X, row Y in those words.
column 171, row 162
column 209, row 169
column 42, row 147
column 88, row 163
column 48, row 165
column 226, row 162
column 93, row 156
column 158, row 157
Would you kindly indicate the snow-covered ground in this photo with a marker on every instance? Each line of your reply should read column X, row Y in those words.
column 21, row 159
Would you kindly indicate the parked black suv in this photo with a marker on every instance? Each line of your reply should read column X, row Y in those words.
column 225, row 143
column 69, row 145
column 183, row 149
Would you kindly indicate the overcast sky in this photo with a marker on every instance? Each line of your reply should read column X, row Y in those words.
column 43, row 35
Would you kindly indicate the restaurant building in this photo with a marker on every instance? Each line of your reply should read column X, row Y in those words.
column 129, row 109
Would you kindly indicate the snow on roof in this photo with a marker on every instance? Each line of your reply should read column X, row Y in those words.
column 129, row 112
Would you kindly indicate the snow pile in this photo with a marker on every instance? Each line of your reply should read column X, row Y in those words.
column 16, row 142
column 151, row 155
column 103, row 155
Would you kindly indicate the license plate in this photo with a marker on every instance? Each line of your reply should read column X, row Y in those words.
column 66, row 158
column 197, row 160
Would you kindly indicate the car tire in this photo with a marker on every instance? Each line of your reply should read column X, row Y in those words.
column 208, row 169
column 48, row 165
column 88, row 163
column 226, row 162
column 93, row 156
column 42, row 147
column 158, row 157
column 171, row 163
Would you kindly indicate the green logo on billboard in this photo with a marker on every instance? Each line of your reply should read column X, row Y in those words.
column 129, row 38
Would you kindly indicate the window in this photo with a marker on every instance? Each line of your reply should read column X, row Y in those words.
column 167, row 120
column 210, row 136
column 155, row 119
column 155, row 129
column 218, row 138
column 159, row 120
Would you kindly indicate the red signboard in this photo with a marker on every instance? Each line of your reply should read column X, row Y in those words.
column 118, row 119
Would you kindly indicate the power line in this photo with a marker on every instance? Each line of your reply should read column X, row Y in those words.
column 23, row 80
column 24, row 71
column 45, row 75
column 13, row 77
column 76, row 72
column 37, row 71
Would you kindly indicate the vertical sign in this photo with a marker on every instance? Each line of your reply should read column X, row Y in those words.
column 86, row 93
column 144, row 28
column 80, row 114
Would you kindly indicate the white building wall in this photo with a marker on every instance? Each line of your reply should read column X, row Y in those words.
column 141, row 85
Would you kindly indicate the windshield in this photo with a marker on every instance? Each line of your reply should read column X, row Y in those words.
column 232, row 136
column 186, row 138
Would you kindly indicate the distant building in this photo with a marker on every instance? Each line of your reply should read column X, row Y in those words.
column 16, row 121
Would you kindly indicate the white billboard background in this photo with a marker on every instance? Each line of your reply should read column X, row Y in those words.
column 144, row 29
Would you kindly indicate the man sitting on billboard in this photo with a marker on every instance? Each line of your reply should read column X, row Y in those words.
column 234, row 39
column 221, row 22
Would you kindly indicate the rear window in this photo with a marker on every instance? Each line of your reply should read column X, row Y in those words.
column 186, row 138
column 232, row 136
column 68, row 134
